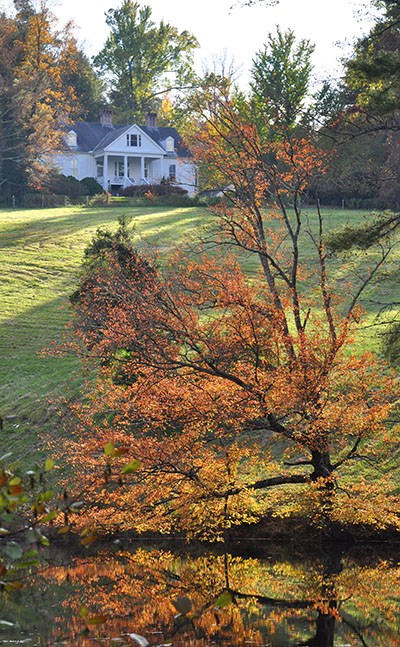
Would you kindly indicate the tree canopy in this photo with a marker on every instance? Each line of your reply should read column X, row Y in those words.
column 39, row 93
column 281, row 79
column 143, row 60
column 215, row 388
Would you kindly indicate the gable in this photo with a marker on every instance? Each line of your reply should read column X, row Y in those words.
column 133, row 140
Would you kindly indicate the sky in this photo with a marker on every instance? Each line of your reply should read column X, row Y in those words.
column 236, row 32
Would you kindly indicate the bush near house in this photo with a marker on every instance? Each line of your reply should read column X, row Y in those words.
column 59, row 184
column 140, row 190
column 91, row 186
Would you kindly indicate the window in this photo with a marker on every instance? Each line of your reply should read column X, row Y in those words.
column 118, row 169
column 74, row 168
column 146, row 170
column 70, row 138
column 172, row 172
column 134, row 140
column 99, row 169
column 170, row 145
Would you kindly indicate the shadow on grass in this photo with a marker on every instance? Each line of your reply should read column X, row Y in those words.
column 37, row 228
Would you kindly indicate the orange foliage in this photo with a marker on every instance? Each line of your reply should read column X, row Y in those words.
column 211, row 378
column 42, row 101
column 194, row 599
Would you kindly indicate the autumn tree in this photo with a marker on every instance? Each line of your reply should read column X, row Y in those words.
column 142, row 60
column 223, row 397
column 37, row 94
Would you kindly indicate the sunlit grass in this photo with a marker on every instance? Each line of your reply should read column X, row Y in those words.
column 40, row 257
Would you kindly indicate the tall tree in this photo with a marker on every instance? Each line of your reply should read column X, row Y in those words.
column 281, row 79
column 142, row 60
column 216, row 388
column 36, row 96
column 372, row 72
column 88, row 87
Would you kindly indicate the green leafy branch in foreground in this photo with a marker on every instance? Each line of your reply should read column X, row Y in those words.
column 28, row 508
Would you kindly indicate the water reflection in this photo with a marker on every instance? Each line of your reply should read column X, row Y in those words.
column 137, row 595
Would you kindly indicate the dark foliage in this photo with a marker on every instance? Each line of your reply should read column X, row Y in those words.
column 91, row 186
column 164, row 189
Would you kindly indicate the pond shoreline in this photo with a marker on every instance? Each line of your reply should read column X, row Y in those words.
column 298, row 534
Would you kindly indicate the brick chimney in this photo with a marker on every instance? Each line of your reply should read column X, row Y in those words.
column 151, row 120
column 106, row 118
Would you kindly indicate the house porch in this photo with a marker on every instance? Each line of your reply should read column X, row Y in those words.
column 116, row 172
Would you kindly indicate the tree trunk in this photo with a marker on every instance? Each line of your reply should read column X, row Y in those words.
column 321, row 462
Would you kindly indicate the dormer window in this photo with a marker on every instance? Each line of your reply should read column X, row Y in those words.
column 134, row 140
column 70, row 138
column 170, row 145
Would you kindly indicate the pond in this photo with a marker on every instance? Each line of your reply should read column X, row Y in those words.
column 178, row 594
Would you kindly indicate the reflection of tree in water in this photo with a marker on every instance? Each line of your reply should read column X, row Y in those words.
column 225, row 599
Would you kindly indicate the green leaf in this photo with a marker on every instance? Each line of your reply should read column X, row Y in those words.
column 13, row 550
column 83, row 612
column 26, row 563
column 49, row 464
column 46, row 496
column 131, row 467
column 50, row 516
column 96, row 620
column 44, row 541
column 109, row 449
column 31, row 553
column 224, row 600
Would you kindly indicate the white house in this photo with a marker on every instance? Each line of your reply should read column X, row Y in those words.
column 119, row 156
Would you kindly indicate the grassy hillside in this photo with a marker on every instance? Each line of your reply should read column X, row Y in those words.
column 40, row 256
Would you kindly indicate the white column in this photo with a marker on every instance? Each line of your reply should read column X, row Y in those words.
column 141, row 168
column 160, row 169
column 125, row 170
column 105, row 172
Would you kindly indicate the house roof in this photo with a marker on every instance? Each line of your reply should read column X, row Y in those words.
column 92, row 136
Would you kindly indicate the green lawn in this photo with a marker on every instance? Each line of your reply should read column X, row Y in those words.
column 40, row 256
